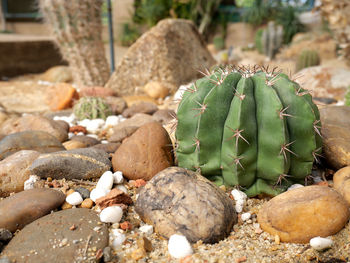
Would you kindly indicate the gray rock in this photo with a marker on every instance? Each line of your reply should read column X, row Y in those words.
column 23, row 208
column 137, row 121
column 141, row 107
column 53, row 241
column 5, row 235
column 87, row 140
column 110, row 147
column 107, row 254
column 120, row 134
column 84, row 163
column 85, row 193
column 5, row 260
column 29, row 140
column 177, row 200
column 164, row 116
column 117, row 104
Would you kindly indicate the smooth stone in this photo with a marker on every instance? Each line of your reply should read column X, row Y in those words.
column 298, row 215
column 97, row 193
column 29, row 140
column 15, row 171
column 336, row 135
column 341, row 180
column 111, row 214
column 95, row 91
column 141, row 107
column 320, row 243
column 56, row 241
column 119, row 135
column 71, row 145
column 164, row 116
column 34, row 123
column 62, row 96
column 5, row 235
column 179, row 247
column 180, row 201
column 118, row 104
column 74, row 199
column 57, row 74
column 85, row 193
column 145, row 153
column 87, row 203
column 105, row 181
column 118, row 177
column 25, row 207
column 158, row 90
column 63, row 124
column 110, row 147
column 87, row 140
column 137, row 120
column 82, row 163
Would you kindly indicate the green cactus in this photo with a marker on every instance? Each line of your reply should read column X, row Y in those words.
column 91, row 108
column 258, row 41
column 271, row 39
column 307, row 58
column 248, row 127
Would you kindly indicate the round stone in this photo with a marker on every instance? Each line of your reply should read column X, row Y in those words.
column 111, row 214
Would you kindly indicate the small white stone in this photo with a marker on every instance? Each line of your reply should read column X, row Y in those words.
column 29, row 184
column 70, row 135
column 179, row 247
column 105, row 181
column 104, row 141
column 294, row 186
column 112, row 121
column 93, row 136
column 97, row 193
column 123, row 188
column 246, row 216
column 74, row 199
column 118, row 177
column 320, row 243
column 147, row 229
column 117, row 239
column 240, row 198
column 111, row 214
column 80, row 134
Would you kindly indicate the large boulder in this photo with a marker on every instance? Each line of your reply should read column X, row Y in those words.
column 170, row 52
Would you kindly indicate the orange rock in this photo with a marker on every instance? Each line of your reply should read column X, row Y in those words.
column 70, row 145
column 158, row 90
column 78, row 128
column 133, row 99
column 126, row 225
column 139, row 182
column 87, row 203
column 241, row 259
column 114, row 197
column 95, row 91
column 61, row 96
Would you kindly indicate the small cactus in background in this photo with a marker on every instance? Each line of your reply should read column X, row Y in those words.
column 258, row 41
column 307, row 58
column 219, row 43
column 248, row 127
column 91, row 108
column 347, row 97
column 271, row 39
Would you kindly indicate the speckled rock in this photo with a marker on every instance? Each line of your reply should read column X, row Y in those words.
column 23, row 208
column 303, row 213
column 141, row 107
column 145, row 153
column 56, row 240
column 82, row 163
column 14, row 171
column 177, row 200
column 336, row 135
column 36, row 123
column 87, row 140
column 341, row 181
column 29, row 140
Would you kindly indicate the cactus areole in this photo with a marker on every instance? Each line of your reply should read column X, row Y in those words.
column 248, row 127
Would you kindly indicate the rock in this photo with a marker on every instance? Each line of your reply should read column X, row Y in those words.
column 147, row 229
column 117, row 104
column 126, row 225
column 118, row 177
column 106, row 181
column 57, row 74
column 25, row 207
column 5, row 235
column 164, row 116
column 82, row 163
column 35, row 123
column 56, row 240
column 320, row 243
column 29, row 140
column 74, row 199
column 71, row 145
column 110, row 147
column 77, row 128
column 303, row 213
column 32, row 182
column 179, row 247
column 87, row 140
column 145, row 153
column 142, row 107
column 87, row 203
column 180, row 201
column 118, row 238
column 325, row 81
column 240, row 199
column 85, row 193
column 134, row 99
column 137, row 120
column 158, row 90
column 63, row 124
column 120, row 134
column 97, row 193
column 111, row 214
column 341, row 181
column 171, row 52
column 95, row 91
column 107, row 254
column 61, row 96
column 14, row 171
column 336, row 136
column 114, row 197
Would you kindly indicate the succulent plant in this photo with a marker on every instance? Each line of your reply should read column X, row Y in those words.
column 248, row 127
column 307, row 58
column 91, row 108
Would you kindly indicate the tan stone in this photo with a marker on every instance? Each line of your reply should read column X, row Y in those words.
column 145, row 153
column 57, row 74
column 341, row 181
column 239, row 35
column 303, row 213
column 61, row 96
column 66, row 206
column 70, row 145
column 87, row 203
column 134, row 99
column 158, row 90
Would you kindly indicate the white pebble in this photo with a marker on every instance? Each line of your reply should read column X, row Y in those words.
column 147, row 229
column 92, row 126
column 321, row 243
column 179, row 247
column 104, row 141
column 74, row 199
column 105, row 181
column 80, row 134
column 29, row 184
column 70, row 135
column 117, row 238
column 240, row 199
column 111, row 214
column 93, row 136
column 97, row 193
column 111, row 121
column 123, row 188
column 246, row 216
column 118, row 177
column 294, row 186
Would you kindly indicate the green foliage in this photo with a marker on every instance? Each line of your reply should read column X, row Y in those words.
column 219, row 42
column 129, row 35
column 347, row 97
column 91, row 108
column 307, row 58
column 151, row 11
column 259, row 13
column 251, row 128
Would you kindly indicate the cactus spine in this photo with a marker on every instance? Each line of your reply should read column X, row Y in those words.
column 252, row 128
column 307, row 58
column 77, row 28
column 92, row 108
column 272, row 39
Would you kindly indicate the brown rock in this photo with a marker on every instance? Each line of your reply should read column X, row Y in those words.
column 126, row 225
column 158, row 90
column 171, row 52
column 110, row 147
column 66, row 205
column 336, row 135
column 144, row 243
column 164, row 116
column 70, row 145
column 87, row 203
column 120, row 134
column 145, row 153
column 78, row 128
column 23, row 208
column 114, row 197
column 303, row 213
column 14, row 171
column 177, row 200
column 141, row 107
column 87, row 140
column 61, row 96
column 134, row 99
column 137, row 120
column 95, row 91
column 35, row 123
column 57, row 74
column 63, row 124
column 341, row 181
column 117, row 104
